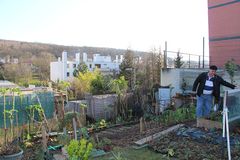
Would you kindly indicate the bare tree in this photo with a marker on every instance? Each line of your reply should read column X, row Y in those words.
column 41, row 65
column 18, row 72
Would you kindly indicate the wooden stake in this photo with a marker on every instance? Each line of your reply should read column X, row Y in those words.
column 75, row 129
column 64, row 131
column 97, row 138
column 141, row 125
column 17, row 125
column 44, row 139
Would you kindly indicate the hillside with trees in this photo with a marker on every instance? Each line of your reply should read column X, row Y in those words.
column 34, row 59
column 18, row 49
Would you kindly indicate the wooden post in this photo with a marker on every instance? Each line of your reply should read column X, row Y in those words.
column 199, row 63
column 141, row 125
column 203, row 52
column 189, row 65
column 74, row 129
column 165, row 56
column 84, row 117
column 44, row 139
column 17, row 125
column 64, row 131
column 97, row 138
column 62, row 110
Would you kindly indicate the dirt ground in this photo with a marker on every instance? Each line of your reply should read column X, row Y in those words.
column 124, row 136
column 176, row 147
column 183, row 148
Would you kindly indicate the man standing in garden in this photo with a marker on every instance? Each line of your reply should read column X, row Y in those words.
column 207, row 86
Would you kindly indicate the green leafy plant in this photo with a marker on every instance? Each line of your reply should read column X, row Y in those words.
column 79, row 150
column 84, row 132
column 119, row 120
column 82, row 67
column 11, row 114
column 82, row 83
column 178, row 61
column 102, row 124
column 101, row 84
column 119, row 86
column 64, row 85
column 118, row 156
column 10, row 147
column 30, row 113
column 184, row 85
column 231, row 67
column 82, row 105
column 31, row 109
column 170, row 152
column 63, row 139
column 3, row 92
column 104, row 144
column 179, row 115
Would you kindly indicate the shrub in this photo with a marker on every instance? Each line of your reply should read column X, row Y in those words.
column 79, row 149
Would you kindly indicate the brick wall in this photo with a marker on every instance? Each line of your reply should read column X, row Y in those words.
column 224, row 31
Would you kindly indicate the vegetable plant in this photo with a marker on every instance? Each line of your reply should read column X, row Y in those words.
column 79, row 150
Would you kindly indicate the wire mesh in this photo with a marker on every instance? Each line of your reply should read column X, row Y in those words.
column 233, row 105
column 46, row 100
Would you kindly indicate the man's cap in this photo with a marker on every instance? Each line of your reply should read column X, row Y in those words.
column 213, row 67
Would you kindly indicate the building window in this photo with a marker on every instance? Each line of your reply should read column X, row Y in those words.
column 74, row 65
column 98, row 65
column 68, row 74
column 90, row 65
column 67, row 65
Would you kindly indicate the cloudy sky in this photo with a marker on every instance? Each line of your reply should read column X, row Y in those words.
column 136, row 24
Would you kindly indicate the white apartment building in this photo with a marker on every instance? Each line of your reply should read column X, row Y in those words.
column 63, row 69
column 8, row 59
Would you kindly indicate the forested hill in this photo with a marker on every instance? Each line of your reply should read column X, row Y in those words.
column 19, row 49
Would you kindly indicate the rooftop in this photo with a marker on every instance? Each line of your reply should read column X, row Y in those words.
column 7, row 84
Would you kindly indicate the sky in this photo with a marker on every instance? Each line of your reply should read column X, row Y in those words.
column 135, row 24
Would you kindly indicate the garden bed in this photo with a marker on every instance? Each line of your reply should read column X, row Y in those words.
column 210, row 124
column 182, row 148
column 173, row 146
column 170, row 146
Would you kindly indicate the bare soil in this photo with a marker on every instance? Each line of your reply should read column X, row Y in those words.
column 182, row 148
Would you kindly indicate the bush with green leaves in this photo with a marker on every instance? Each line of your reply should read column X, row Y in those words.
column 102, row 124
column 231, row 67
column 63, row 139
column 79, row 150
column 101, row 84
column 68, row 120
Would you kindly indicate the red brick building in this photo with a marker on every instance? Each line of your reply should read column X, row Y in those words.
column 224, row 31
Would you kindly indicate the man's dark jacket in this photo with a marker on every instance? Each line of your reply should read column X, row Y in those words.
column 199, row 84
